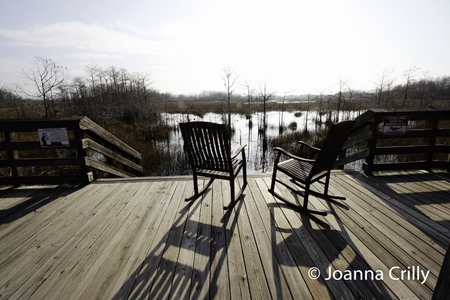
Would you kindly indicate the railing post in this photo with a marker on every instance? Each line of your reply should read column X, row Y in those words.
column 448, row 161
column 341, row 156
column 81, row 154
column 372, row 145
column 431, row 141
column 10, row 153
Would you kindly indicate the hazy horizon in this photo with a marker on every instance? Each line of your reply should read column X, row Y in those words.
column 300, row 47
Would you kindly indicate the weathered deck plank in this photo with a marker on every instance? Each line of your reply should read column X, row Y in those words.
column 401, row 232
column 263, row 232
column 239, row 287
column 255, row 266
column 140, row 239
column 377, row 236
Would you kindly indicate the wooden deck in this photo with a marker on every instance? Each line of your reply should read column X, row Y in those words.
column 136, row 239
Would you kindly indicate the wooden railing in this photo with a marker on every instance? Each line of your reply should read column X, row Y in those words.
column 399, row 140
column 62, row 150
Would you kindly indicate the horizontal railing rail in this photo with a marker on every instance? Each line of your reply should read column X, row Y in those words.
column 62, row 150
column 399, row 140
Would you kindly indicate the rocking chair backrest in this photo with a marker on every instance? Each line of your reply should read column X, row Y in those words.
column 331, row 147
column 207, row 145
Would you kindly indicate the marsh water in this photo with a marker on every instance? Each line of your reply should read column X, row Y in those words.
column 248, row 130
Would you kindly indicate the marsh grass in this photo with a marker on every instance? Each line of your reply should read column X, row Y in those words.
column 289, row 141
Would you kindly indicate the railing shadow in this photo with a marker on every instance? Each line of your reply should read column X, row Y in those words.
column 416, row 199
column 33, row 199
column 415, row 207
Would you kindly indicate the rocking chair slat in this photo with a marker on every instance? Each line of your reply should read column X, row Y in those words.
column 308, row 171
column 207, row 146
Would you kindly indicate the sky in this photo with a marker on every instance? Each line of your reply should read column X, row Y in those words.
column 287, row 46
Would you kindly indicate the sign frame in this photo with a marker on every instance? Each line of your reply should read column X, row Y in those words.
column 393, row 125
column 53, row 137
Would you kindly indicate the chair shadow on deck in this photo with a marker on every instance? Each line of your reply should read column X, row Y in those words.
column 170, row 273
column 409, row 215
column 314, row 243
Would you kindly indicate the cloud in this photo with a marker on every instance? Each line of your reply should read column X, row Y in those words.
column 87, row 37
column 95, row 56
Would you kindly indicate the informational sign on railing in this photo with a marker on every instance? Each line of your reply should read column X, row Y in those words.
column 53, row 137
column 395, row 125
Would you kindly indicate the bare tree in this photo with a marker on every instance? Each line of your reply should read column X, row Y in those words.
column 384, row 82
column 281, row 113
column 340, row 99
column 320, row 112
column 46, row 76
column 143, row 93
column 246, row 85
column 329, row 109
column 80, row 98
column 264, row 96
column 229, row 79
column 93, row 71
column 423, row 88
column 388, row 92
column 350, row 94
column 409, row 79
column 308, row 107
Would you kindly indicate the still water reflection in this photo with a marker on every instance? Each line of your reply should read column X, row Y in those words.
column 249, row 131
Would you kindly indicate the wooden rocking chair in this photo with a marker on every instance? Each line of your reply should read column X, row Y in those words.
column 207, row 146
column 303, row 172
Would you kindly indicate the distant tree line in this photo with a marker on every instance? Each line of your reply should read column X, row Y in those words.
column 112, row 94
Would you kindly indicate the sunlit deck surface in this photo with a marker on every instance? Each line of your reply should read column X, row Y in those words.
column 138, row 239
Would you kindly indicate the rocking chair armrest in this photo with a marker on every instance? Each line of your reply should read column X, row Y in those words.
column 239, row 150
column 302, row 143
column 288, row 154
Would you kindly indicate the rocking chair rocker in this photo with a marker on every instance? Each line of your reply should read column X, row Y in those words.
column 303, row 172
column 207, row 146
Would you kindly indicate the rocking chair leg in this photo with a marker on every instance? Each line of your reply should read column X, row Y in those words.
column 325, row 192
column 233, row 200
column 327, row 182
column 195, row 185
column 238, row 196
column 232, row 190
column 323, row 195
column 297, row 207
column 197, row 194
column 274, row 178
